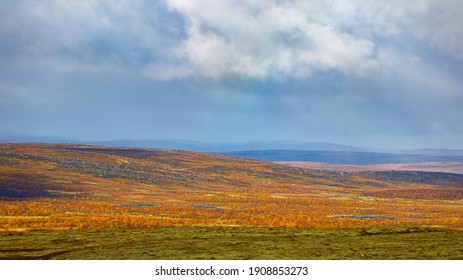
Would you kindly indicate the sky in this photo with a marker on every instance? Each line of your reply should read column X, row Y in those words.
column 384, row 73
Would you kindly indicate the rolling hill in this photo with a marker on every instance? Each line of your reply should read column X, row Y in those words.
column 55, row 186
column 38, row 170
column 82, row 201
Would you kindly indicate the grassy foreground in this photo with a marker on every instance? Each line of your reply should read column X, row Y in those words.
column 241, row 243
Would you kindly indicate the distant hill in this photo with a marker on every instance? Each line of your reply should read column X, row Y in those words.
column 185, row 145
column 342, row 157
column 9, row 137
column 287, row 150
column 210, row 147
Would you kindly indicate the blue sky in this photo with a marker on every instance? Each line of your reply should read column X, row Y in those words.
column 383, row 73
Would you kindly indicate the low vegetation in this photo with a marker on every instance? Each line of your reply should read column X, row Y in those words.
column 72, row 190
column 241, row 243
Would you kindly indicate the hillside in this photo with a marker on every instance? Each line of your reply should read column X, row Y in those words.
column 81, row 186
column 54, row 170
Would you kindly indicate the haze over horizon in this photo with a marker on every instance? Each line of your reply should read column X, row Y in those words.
column 383, row 74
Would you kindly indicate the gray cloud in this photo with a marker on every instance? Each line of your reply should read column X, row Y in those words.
column 354, row 72
column 253, row 39
column 435, row 22
column 89, row 36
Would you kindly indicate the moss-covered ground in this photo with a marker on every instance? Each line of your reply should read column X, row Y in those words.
column 241, row 243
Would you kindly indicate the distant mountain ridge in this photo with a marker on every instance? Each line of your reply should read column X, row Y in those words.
column 210, row 147
column 285, row 150
column 187, row 145
column 9, row 137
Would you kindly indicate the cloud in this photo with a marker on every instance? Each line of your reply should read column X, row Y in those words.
column 175, row 39
column 435, row 23
column 349, row 71
column 258, row 39
column 268, row 39
column 46, row 26
column 88, row 36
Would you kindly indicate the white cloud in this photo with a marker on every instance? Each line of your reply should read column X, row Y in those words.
column 254, row 38
column 261, row 39
column 436, row 22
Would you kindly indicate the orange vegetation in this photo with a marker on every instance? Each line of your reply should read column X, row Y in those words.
column 45, row 187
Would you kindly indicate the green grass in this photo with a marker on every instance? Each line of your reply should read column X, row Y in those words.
column 235, row 243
